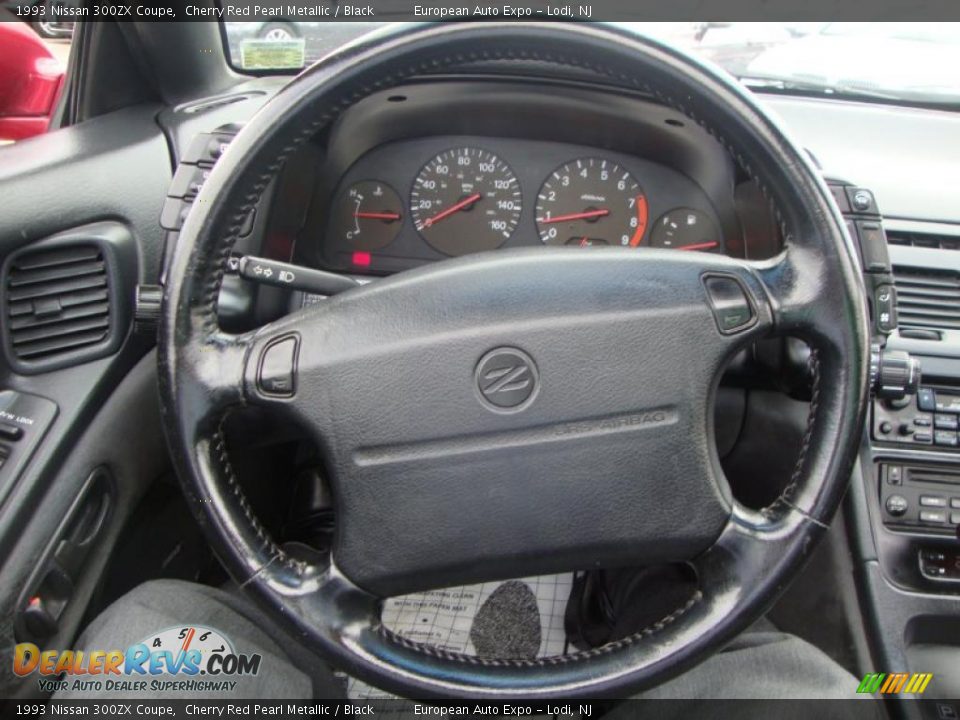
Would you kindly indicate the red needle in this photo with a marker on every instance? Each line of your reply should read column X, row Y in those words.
column 574, row 216
column 186, row 642
column 452, row 209
column 377, row 215
column 700, row 246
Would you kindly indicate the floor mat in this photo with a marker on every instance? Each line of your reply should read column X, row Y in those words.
column 444, row 618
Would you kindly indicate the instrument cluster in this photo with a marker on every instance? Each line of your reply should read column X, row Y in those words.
column 410, row 202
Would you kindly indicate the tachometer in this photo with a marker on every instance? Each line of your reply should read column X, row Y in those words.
column 465, row 200
column 591, row 201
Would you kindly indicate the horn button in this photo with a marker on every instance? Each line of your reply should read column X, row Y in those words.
column 455, row 456
column 507, row 379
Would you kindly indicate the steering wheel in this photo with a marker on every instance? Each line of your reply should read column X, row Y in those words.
column 517, row 412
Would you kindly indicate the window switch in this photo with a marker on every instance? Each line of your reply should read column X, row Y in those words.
column 9, row 431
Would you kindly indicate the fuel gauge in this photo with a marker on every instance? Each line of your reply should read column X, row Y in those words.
column 686, row 229
column 368, row 215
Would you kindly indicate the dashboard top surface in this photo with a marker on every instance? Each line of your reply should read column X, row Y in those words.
column 863, row 143
column 907, row 156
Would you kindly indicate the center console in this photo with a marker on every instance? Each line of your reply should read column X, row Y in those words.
column 911, row 463
column 903, row 511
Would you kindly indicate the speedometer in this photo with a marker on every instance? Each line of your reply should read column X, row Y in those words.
column 465, row 200
column 591, row 201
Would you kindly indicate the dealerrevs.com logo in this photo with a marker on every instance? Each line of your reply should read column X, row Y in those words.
column 895, row 683
column 191, row 659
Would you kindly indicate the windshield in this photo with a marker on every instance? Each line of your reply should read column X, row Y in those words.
column 910, row 63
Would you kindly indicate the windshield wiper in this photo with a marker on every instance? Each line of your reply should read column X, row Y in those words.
column 796, row 85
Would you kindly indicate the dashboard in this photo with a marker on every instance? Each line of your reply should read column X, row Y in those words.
column 411, row 202
column 447, row 168
column 444, row 167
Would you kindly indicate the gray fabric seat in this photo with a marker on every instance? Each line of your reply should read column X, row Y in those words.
column 764, row 664
column 286, row 671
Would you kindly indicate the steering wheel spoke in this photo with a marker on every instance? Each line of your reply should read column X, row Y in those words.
column 259, row 367
column 795, row 298
column 254, row 368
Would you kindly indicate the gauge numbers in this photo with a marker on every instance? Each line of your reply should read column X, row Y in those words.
column 591, row 201
column 192, row 637
column 465, row 200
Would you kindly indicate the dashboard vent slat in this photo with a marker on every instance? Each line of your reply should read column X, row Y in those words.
column 75, row 313
column 59, row 345
column 63, row 256
column 57, row 288
column 923, row 240
column 57, row 272
column 52, row 331
column 928, row 298
column 57, row 301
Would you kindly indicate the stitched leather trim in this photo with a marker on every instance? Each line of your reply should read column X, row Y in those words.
column 786, row 496
column 227, row 241
column 551, row 660
column 276, row 552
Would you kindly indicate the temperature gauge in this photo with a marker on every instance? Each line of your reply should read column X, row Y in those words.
column 686, row 229
column 368, row 215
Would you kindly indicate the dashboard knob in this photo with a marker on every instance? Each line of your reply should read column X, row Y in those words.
column 894, row 373
column 898, row 403
column 897, row 505
column 148, row 305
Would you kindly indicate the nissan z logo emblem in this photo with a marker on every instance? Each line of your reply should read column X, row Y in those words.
column 507, row 380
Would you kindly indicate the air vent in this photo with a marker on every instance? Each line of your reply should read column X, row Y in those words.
column 923, row 240
column 57, row 302
column 927, row 298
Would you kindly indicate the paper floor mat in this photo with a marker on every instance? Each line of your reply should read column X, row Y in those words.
column 443, row 618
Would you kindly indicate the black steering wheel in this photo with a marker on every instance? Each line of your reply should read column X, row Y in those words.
column 518, row 412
